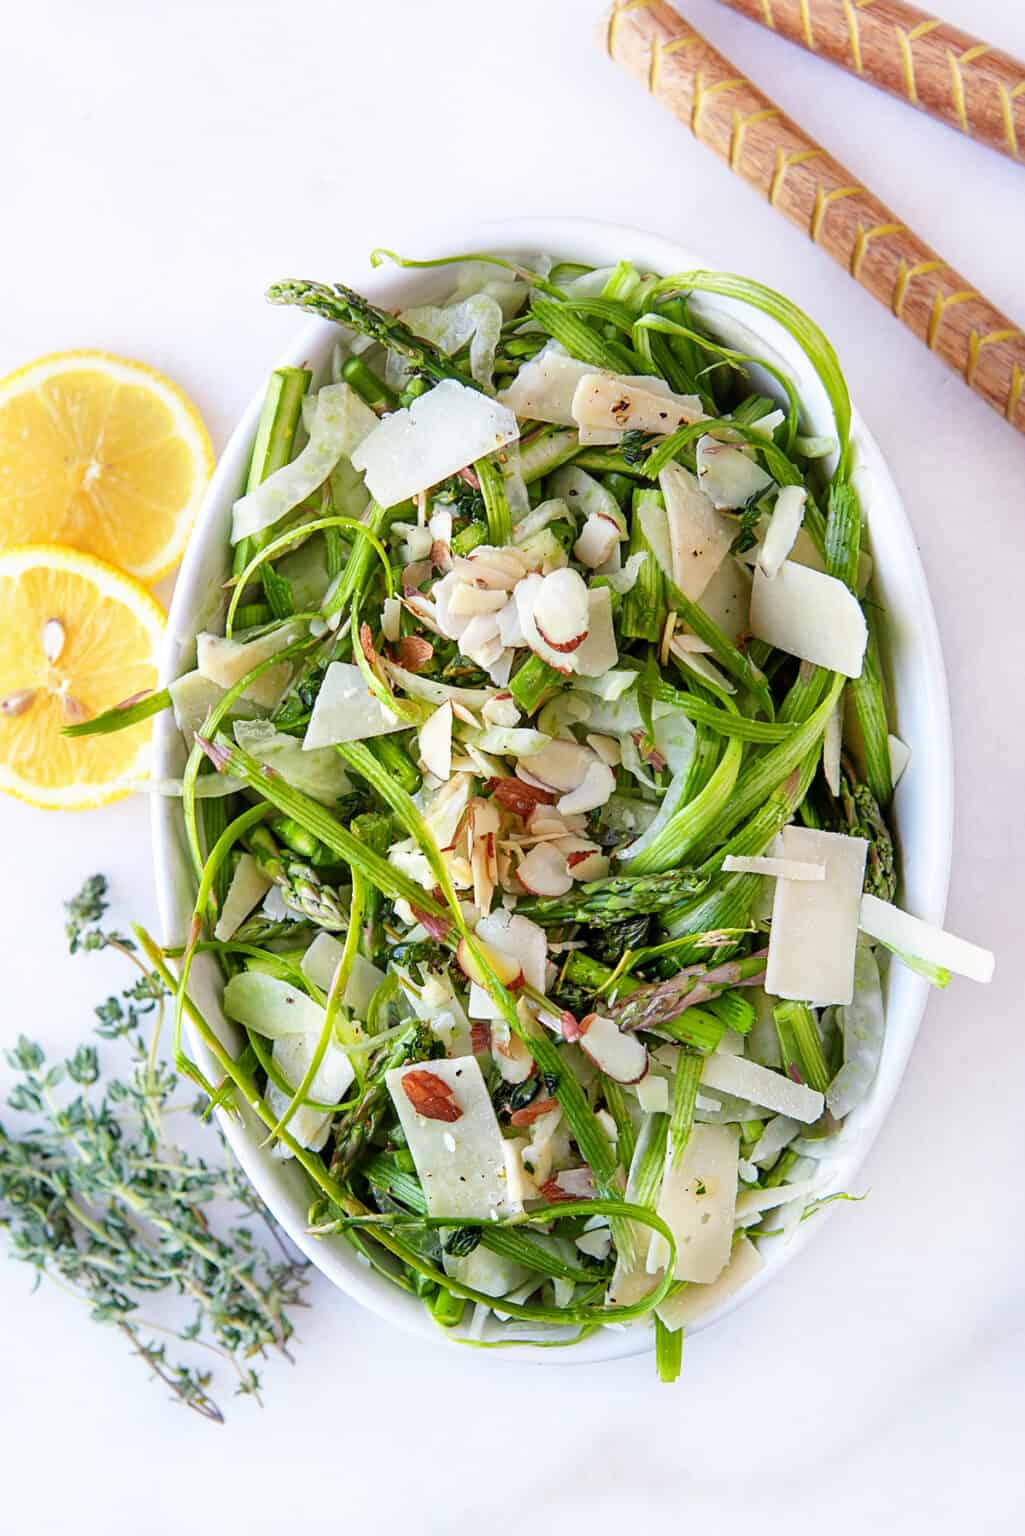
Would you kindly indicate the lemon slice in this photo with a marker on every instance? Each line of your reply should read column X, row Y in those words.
column 77, row 637
column 103, row 454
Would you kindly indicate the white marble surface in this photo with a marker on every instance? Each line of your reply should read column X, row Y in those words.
column 163, row 163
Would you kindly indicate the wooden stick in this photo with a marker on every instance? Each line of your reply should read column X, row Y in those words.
column 944, row 71
column 729, row 114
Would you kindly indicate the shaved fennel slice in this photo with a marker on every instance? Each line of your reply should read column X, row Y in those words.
column 248, row 886
column 907, row 935
column 476, row 319
column 759, row 1085
column 674, row 738
column 319, row 773
column 697, row 1202
column 778, row 1133
column 784, row 526
column 699, row 536
column 293, row 1056
column 439, row 434
column 863, row 1026
column 810, row 615
column 341, row 422
column 815, row 923
column 269, row 1006
column 586, row 497
column 346, row 710
column 694, row 1302
column 193, row 696
column 460, row 1162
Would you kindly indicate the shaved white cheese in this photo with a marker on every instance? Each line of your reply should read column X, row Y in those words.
column 751, row 1202
column 435, row 741
column 293, row 1056
column 815, row 923
column 271, row 1007
column 778, row 869
column 810, row 615
column 225, row 662
column 391, row 616
column 909, row 935
column 248, row 886
column 653, row 1094
column 699, row 536
column 341, row 422
column 543, row 389
column 900, row 756
column 193, row 696
column 607, row 401
column 520, row 941
column 727, row 474
column 697, row 1203
column 460, row 1163
column 320, row 774
column 440, row 433
column 777, row 1134
column 597, row 654
column 759, row 1085
column 320, row 962
column 784, row 526
column 694, row 1302
column 727, row 599
column 346, row 710
column 832, row 748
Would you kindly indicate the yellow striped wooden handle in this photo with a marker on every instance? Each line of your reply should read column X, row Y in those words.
column 937, row 67
column 731, row 116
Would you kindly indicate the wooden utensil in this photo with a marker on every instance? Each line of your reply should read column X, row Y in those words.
column 814, row 191
column 934, row 66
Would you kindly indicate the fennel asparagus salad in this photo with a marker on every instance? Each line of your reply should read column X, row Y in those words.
column 538, row 796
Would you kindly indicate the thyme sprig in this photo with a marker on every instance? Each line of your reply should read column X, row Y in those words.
column 95, row 1196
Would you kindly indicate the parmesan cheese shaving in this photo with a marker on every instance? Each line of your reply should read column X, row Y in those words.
column 901, row 932
column 809, row 615
column 815, row 923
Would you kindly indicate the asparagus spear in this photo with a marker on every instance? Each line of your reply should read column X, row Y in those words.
column 601, row 902
column 301, row 887
column 347, row 307
column 661, row 1001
